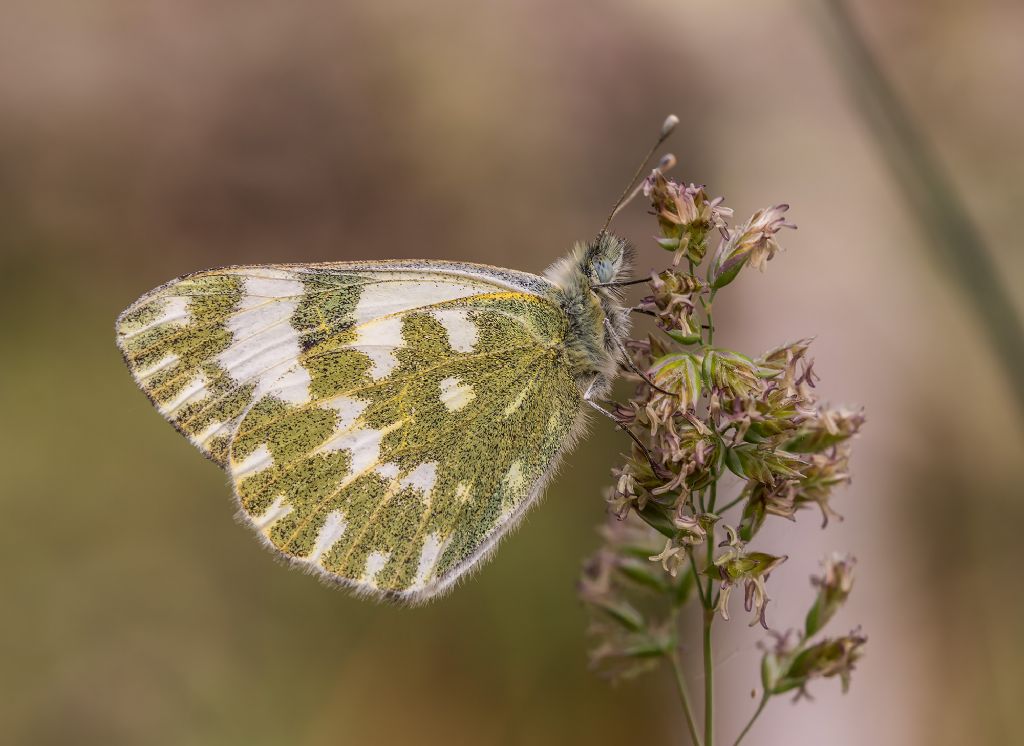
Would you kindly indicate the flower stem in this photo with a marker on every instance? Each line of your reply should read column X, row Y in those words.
column 731, row 503
column 760, row 707
column 709, row 618
column 709, row 682
column 696, row 578
column 710, row 559
column 684, row 696
column 706, row 304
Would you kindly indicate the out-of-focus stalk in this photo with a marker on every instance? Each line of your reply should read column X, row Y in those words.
column 928, row 189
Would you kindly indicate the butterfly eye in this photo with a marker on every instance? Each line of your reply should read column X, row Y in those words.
column 604, row 270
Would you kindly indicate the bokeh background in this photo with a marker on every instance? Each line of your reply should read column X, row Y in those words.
column 139, row 141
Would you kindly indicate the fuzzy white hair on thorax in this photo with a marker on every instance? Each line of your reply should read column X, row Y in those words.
column 591, row 309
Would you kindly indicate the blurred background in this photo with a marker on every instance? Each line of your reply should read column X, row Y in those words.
column 140, row 141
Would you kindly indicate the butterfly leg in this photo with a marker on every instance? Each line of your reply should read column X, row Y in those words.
column 628, row 359
column 590, row 398
column 644, row 311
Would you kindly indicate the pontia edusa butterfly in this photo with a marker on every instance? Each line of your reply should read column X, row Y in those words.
column 385, row 423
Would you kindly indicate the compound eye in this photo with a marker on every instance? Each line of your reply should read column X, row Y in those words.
column 603, row 271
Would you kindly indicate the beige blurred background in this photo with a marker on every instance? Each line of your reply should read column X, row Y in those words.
column 143, row 140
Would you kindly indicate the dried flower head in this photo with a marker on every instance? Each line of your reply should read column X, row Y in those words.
column 673, row 304
column 751, row 569
column 678, row 373
column 626, row 493
column 699, row 412
column 833, row 589
column 685, row 215
column 753, row 244
column 790, row 667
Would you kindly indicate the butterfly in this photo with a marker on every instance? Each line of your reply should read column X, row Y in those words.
column 384, row 424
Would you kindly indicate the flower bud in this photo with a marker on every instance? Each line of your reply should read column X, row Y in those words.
column 626, row 494
column 823, row 473
column 827, row 428
column 754, row 244
column 685, row 214
column 672, row 557
column 751, row 569
column 672, row 303
column 765, row 465
column 733, row 374
column 833, row 589
column 693, row 529
column 764, row 500
column 789, row 669
column 680, row 374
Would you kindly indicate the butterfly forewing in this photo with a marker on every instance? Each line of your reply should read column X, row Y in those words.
column 384, row 424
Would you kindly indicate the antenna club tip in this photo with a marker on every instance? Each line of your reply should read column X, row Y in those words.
column 669, row 124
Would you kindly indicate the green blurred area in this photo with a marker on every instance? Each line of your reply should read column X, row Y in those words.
column 139, row 142
column 142, row 613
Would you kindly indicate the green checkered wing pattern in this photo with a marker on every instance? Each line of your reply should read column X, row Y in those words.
column 384, row 424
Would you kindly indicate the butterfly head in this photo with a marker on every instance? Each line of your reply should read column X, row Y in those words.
column 607, row 259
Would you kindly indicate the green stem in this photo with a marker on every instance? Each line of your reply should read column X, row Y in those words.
column 696, row 578
column 709, row 682
column 760, row 707
column 709, row 543
column 684, row 696
column 731, row 503
column 709, row 618
column 706, row 305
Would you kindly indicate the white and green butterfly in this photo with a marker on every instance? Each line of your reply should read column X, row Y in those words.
column 384, row 424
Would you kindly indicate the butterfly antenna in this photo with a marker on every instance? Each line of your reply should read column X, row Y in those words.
column 633, row 188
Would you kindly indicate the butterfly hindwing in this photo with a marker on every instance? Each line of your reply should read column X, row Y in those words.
column 383, row 424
